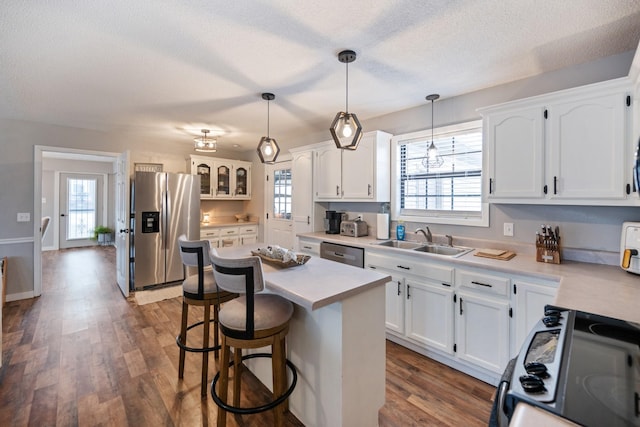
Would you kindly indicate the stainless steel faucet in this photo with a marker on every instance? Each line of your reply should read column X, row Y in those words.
column 427, row 234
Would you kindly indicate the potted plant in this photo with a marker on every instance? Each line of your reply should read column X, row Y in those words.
column 102, row 234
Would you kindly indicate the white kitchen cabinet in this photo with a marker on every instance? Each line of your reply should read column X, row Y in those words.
column 302, row 206
column 482, row 331
column 359, row 175
column 222, row 178
column 483, row 319
column 419, row 299
column 529, row 300
column 226, row 236
column 429, row 314
column 571, row 146
column 308, row 246
column 248, row 234
column 515, row 153
column 586, row 150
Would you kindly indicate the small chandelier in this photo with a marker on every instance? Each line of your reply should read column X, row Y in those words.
column 432, row 159
column 204, row 144
column 346, row 130
column 268, row 149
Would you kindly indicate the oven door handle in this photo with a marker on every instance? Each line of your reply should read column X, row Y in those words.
column 501, row 398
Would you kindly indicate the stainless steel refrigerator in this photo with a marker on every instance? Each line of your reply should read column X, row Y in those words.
column 163, row 206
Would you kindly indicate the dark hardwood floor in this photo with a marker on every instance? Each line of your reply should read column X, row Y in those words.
column 81, row 354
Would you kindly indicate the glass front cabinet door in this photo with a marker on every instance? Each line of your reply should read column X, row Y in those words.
column 206, row 189
column 223, row 180
column 241, row 181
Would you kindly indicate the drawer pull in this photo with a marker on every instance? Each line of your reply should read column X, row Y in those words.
column 446, row 284
column 403, row 267
column 481, row 284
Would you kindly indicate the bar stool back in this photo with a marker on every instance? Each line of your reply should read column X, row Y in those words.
column 199, row 290
column 253, row 320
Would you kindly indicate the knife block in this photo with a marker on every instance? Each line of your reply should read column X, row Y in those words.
column 547, row 255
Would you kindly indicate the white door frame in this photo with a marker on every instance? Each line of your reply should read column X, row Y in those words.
column 38, row 150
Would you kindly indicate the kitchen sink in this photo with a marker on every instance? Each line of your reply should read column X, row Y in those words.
column 401, row 244
column 443, row 250
column 429, row 248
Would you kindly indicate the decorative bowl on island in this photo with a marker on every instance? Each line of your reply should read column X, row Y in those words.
column 241, row 217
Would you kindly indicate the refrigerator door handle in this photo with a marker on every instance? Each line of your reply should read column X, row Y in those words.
column 166, row 214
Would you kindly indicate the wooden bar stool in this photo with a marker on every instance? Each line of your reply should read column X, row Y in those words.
column 253, row 320
column 199, row 290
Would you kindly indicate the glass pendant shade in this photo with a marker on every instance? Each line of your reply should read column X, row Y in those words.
column 268, row 149
column 205, row 144
column 346, row 131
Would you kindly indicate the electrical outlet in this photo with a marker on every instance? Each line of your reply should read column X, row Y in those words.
column 24, row 217
column 508, row 229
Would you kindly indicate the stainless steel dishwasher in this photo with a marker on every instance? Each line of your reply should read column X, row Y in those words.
column 341, row 253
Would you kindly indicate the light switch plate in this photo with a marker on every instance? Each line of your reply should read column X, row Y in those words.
column 24, row 217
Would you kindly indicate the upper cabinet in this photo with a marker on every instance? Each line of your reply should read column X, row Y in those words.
column 568, row 147
column 222, row 178
column 359, row 175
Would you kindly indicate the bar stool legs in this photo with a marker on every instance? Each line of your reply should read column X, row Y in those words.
column 182, row 339
column 281, row 393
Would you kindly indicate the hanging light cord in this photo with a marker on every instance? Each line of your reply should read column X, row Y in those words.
column 346, row 101
column 432, row 120
column 268, row 119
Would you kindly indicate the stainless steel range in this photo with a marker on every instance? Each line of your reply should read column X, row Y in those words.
column 580, row 366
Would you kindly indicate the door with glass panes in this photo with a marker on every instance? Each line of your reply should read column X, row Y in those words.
column 279, row 222
column 81, row 209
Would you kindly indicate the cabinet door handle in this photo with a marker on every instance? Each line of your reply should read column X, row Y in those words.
column 490, row 185
column 460, row 306
column 308, row 220
column 555, row 185
column 403, row 267
column 398, row 287
column 369, row 190
column 408, row 291
column 481, row 284
column 337, row 190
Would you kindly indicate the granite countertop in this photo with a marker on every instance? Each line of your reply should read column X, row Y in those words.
column 317, row 283
column 595, row 288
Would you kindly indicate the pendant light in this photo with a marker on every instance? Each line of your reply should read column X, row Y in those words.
column 432, row 159
column 268, row 149
column 346, row 130
column 204, row 144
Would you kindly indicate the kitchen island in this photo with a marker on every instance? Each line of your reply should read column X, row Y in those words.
column 336, row 339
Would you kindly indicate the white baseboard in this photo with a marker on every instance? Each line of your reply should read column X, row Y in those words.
column 20, row 296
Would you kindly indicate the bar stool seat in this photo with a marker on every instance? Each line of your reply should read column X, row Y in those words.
column 253, row 320
column 199, row 290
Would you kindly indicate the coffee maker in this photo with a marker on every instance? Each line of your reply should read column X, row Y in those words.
column 332, row 221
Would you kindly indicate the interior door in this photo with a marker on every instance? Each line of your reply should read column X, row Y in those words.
column 81, row 209
column 122, row 222
column 279, row 221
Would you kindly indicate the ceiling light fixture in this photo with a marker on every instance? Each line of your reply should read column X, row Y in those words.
column 268, row 149
column 204, row 144
column 432, row 158
column 346, row 130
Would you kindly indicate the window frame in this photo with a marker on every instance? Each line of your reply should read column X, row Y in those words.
column 481, row 219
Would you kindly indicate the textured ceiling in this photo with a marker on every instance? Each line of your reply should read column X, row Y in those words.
column 167, row 68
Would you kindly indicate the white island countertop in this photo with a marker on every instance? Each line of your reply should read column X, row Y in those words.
column 317, row 283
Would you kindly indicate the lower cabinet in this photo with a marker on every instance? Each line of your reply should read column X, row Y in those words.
column 483, row 319
column 482, row 331
column 226, row 236
column 473, row 319
column 429, row 314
